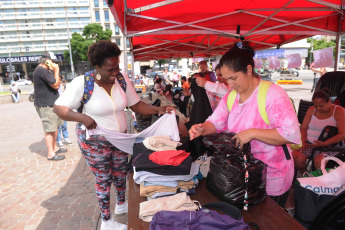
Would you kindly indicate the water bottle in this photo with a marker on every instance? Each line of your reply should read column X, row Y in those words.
column 325, row 135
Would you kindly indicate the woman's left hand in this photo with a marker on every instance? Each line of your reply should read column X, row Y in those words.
column 318, row 144
column 243, row 137
column 166, row 109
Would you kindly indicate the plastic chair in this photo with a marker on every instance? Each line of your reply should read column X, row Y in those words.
column 335, row 81
column 302, row 109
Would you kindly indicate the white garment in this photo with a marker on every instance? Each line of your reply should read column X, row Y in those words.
column 14, row 88
column 146, row 81
column 316, row 126
column 142, row 176
column 160, row 143
column 218, row 88
column 107, row 111
column 165, row 126
column 176, row 203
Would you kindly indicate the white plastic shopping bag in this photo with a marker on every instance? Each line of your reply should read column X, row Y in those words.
column 294, row 60
column 257, row 63
column 274, row 62
column 323, row 57
column 330, row 183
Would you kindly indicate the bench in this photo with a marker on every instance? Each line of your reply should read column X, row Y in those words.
column 267, row 215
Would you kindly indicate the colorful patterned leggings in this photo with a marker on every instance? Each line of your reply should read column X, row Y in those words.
column 108, row 164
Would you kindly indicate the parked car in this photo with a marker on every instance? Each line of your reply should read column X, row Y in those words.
column 153, row 74
column 23, row 82
column 289, row 73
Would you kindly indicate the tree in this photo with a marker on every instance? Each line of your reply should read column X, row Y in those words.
column 318, row 44
column 95, row 32
column 80, row 43
column 161, row 61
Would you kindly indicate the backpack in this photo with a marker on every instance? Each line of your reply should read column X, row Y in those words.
column 89, row 82
column 262, row 93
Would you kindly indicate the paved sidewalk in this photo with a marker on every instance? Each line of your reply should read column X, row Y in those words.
column 36, row 193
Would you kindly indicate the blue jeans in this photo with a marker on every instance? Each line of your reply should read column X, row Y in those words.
column 15, row 97
column 63, row 130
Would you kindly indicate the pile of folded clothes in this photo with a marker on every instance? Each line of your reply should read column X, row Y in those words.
column 161, row 169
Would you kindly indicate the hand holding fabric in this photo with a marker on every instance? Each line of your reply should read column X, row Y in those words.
column 88, row 122
column 201, row 82
column 196, row 131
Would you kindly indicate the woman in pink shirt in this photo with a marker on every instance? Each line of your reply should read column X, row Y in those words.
column 244, row 119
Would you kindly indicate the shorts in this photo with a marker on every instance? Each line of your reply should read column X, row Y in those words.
column 309, row 151
column 50, row 120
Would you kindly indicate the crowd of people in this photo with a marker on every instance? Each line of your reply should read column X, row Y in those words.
column 226, row 100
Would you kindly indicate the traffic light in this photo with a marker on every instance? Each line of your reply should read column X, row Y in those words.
column 10, row 68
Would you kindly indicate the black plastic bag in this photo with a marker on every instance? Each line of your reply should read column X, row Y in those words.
column 226, row 178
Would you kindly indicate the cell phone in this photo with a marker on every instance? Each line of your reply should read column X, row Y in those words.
column 49, row 64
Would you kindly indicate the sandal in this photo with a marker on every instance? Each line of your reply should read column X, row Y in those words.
column 57, row 158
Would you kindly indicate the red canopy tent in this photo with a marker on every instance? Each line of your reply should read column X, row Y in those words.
column 202, row 28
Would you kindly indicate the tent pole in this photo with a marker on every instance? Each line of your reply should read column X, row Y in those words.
column 125, row 38
column 338, row 43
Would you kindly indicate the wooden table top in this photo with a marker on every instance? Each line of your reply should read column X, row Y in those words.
column 267, row 215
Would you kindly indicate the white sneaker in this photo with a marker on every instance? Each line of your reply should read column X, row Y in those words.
column 59, row 144
column 121, row 208
column 112, row 225
column 67, row 142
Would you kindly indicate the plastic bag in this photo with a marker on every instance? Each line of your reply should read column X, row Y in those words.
column 226, row 178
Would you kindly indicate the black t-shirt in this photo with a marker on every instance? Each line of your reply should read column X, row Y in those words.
column 45, row 95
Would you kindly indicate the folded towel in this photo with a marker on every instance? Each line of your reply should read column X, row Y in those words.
column 152, row 189
column 169, row 157
column 178, row 202
column 159, row 143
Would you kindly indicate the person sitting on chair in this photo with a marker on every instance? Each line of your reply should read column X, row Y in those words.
column 318, row 116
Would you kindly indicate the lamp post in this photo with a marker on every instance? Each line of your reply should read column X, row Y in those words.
column 69, row 46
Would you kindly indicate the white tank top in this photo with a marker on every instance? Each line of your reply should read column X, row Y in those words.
column 316, row 126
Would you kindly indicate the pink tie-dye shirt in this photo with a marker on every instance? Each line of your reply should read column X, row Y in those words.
column 282, row 117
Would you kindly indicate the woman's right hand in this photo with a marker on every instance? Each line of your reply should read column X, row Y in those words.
column 196, row 131
column 88, row 122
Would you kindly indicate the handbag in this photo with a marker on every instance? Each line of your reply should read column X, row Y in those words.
column 235, row 176
column 204, row 219
column 330, row 183
column 308, row 204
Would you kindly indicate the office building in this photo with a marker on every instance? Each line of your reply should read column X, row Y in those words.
column 30, row 27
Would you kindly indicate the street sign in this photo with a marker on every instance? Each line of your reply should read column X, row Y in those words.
column 10, row 68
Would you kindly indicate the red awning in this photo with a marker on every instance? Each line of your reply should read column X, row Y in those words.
column 204, row 28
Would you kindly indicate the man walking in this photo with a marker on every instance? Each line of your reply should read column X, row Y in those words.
column 14, row 92
column 46, row 84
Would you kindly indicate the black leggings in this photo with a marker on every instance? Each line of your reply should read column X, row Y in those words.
column 281, row 200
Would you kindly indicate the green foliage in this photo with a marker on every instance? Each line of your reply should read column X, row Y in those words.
column 161, row 61
column 80, row 43
column 95, row 32
column 318, row 44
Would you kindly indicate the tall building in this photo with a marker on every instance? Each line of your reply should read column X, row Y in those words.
column 30, row 27
column 100, row 13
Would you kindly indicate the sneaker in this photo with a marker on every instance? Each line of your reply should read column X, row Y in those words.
column 67, row 142
column 121, row 208
column 112, row 225
column 59, row 144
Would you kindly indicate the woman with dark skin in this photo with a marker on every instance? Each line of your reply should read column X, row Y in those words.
column 104, row 110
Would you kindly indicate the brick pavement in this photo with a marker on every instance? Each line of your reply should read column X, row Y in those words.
column 36, row 193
